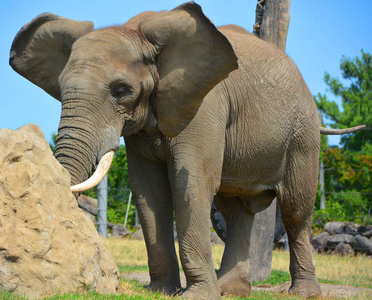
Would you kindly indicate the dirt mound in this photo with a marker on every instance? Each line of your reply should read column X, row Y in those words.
column 47, row 245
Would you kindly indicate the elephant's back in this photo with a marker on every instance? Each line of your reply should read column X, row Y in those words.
column 249, row 47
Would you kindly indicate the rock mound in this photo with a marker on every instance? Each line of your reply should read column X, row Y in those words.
column 47, row 245
column 344, row 238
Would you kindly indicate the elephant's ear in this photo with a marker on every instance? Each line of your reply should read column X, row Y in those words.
column 193, row 57
column 42, row 47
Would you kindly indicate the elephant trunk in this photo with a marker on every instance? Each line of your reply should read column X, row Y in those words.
column 81, row 144
column 75, row 154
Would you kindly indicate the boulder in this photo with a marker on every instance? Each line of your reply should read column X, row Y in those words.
column 343, row 249
column 334, row 240
column 215, row 239
column 88, row 204
column 348, row 229
column 47, row 243
column 319, row 241
column 119, row 231
column 361, row 244
column 138, row 235
column 333, row 227
column 362, row 229
column 368, row 234
column 91, row 217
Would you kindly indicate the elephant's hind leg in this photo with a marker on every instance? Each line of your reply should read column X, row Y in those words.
column 296, row 197
column 233, row 276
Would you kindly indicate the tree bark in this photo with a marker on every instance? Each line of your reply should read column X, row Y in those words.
column 273, row 29
column 275, row 23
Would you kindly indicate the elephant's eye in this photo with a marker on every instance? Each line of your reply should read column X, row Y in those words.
column 120, row 90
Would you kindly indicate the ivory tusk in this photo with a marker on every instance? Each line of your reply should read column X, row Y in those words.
column 101, row 171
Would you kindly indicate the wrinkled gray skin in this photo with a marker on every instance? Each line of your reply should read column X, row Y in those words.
column 198, row 126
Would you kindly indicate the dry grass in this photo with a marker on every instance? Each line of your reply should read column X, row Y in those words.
column 127, row 252
column 346, row 270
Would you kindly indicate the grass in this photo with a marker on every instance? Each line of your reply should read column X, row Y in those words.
column 346, row 270
column 276, row 277
column 130, row 256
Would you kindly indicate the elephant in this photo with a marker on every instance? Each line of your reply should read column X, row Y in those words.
column 207, row 114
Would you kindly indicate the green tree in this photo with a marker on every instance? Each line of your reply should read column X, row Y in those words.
column 348, row 169
column 118, row 189
column 52, row 143
column 356, row 100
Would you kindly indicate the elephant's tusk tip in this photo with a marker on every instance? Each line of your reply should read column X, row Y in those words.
column 101, row 171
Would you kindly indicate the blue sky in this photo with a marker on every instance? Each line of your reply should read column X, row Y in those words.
column 320, row 33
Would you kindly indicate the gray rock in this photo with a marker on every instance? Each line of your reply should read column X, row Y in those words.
column 368, row 234
column 362, row 229
column 88, row 204
column 215, row 239
column 138, row 235
column 361, row 244
column 348, row 229
column 333, row 227
column 110, row 225
column 343, row 249
column 120, row 231
column 334, row 240
column 91, row 217
column 319, row 241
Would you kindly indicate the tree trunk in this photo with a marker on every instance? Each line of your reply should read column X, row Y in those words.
column 273, row 29
column 275, row 23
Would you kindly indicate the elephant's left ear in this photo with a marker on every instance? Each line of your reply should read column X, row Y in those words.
column 193, row 57
column 42, row 48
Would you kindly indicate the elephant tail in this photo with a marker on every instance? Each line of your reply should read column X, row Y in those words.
column 329, row 131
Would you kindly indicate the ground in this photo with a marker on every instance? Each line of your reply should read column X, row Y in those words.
column 328, row 290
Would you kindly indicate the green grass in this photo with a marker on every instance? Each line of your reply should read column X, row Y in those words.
column 276, row 277
column 128, row 289
column 131, row 268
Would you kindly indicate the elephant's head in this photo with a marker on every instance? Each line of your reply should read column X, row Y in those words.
column 153, row 71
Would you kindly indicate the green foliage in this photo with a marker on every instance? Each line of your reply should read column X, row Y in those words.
column 118, row 190
column 118, row 193
column 348, row 186
column 348, row 169
column 356, row 100
column 118, row 184
column 52, row 143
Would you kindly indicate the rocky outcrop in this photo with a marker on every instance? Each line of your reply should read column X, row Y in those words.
column 89, row 206
column 120, row 231
column 344, row 238
column 362, row 244
column 319, row 242
column 47, row 244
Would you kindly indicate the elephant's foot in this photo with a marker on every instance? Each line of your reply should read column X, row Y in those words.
column 306, row 288
column 171, row 288
column 235, row 283
column 201, row 291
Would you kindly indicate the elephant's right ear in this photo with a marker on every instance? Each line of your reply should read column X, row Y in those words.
column 42, row 48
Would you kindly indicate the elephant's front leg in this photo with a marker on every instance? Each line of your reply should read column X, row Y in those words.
column 193, row 197
column 150, row 187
